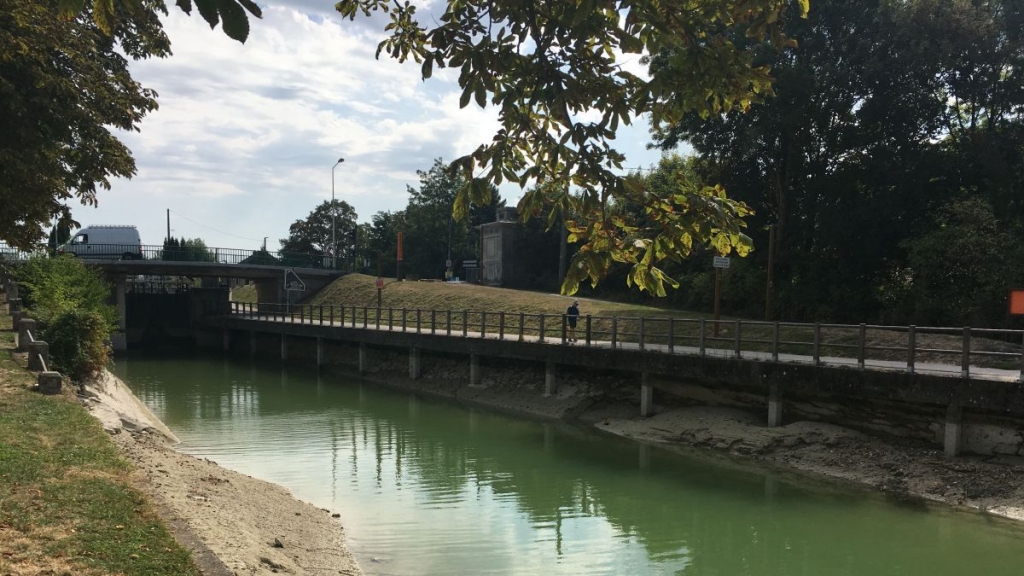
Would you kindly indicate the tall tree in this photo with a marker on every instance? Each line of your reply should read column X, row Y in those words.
column 64, row 87
column 554, row 72
column 432, row 234
column 381, row 236
column 331, row 221
column 887, row 111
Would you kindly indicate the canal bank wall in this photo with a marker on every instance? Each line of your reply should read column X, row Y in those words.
column 891, row 446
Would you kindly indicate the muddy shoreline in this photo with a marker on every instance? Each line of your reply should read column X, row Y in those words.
column 901, row 468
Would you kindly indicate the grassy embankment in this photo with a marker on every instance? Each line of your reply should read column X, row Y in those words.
column 67, row 505
column 358, row 290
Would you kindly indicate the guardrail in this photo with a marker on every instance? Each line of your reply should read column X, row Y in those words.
column 950, row 351
column 211, row 255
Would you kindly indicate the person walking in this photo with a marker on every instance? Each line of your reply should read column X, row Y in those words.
column 572, row 313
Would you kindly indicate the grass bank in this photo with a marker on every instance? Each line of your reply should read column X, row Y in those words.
column 67, row 505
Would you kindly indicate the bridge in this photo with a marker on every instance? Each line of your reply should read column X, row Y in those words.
column 961, row 369
column 271, row 272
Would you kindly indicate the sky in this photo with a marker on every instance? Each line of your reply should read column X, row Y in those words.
column 246, row 135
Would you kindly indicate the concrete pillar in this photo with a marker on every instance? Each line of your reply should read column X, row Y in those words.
column 319, row 352
column 38, row 356
column 122, row 306
column 646, row 395
column 363, row 353
column 252, row 343
column 15, row 318
column 119, row 341
column 415, row 363
column 284, row 347
column 550, row 379
column 953, row 430
column 474, row 369
column 227, row 340
column 24, row 327
column 50, row 382
column 14, row 305
column 12, row 291
column 774, row 405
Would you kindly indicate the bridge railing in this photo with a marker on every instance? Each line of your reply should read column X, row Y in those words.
column 211, row 255
column 941, row 350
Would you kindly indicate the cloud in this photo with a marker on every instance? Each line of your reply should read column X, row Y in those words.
column 246, row 135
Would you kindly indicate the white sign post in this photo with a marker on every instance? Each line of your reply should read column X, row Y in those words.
column 721, row 262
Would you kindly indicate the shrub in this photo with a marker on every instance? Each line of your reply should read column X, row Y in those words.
column 53, row 286
column 79, row 343
column 70, row 303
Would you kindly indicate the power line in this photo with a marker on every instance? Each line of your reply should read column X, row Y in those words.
column 215, row 229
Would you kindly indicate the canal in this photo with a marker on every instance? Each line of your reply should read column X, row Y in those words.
column 427, row 487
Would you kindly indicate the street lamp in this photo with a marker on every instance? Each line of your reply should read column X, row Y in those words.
column 334, row 239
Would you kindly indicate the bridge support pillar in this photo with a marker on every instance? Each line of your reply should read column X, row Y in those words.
column 284, row 347
column 774, row 405
column 550, row 378
column 363, row 353
column 646, row 395
column 252, row 343
column 119, row 340
column 953, row 430
column 227, row 340
column 415, row 363
column 320, row 352
column 474, row 369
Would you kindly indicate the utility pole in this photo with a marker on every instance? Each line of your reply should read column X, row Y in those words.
column 168, row 224
column 770, row 288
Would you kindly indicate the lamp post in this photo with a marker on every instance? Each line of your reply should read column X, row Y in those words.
column 334, row 239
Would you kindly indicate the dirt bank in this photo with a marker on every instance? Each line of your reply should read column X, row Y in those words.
column 901, row 467
column 233, row 523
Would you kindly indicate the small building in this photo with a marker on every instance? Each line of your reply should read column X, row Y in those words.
column 498, row 240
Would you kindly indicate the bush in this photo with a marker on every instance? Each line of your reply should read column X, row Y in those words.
column 53, row 286
column 79, row 343
column 70, row 303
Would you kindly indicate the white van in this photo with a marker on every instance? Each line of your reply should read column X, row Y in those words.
column 106, row 242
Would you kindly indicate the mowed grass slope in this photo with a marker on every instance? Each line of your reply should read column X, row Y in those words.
column 359, row 290
column 67, row 505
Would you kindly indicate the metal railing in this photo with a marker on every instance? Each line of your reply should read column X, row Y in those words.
column 967, row 352
column 211, row 255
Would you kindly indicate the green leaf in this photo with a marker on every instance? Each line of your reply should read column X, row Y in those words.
column 252, row 7
column 235, row 21
column 185, row 5
column 427, row 70
column 208, row 10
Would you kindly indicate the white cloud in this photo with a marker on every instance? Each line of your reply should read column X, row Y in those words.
column 246, row 134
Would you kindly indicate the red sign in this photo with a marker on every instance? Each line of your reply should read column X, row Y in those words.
column 380, row 283
column 1016, row 301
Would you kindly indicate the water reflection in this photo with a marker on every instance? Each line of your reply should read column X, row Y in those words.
column 426, row 487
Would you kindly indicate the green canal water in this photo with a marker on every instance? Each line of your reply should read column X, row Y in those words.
column 426, row 487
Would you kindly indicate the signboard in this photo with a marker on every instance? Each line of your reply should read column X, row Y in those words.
column 469, row 263
column 293, row 282
column 721, row 262
column 447, row 263
column 380, row 283
column 1016, row 302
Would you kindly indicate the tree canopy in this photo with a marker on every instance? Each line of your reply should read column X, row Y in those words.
column 315, row 233
column 889, row 116
column 64, row 85
column 556, row 73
